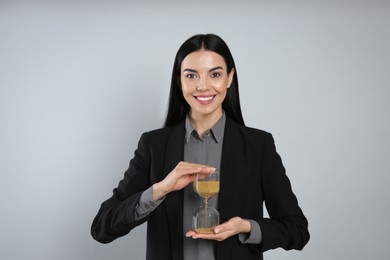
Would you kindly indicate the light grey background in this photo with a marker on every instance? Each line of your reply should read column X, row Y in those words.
column 81, row 80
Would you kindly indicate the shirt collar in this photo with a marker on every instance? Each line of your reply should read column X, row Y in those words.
column 217, row 130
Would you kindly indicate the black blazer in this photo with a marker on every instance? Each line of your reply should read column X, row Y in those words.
column 251, row 173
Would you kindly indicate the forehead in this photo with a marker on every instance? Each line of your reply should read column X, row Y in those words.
column 203, row 59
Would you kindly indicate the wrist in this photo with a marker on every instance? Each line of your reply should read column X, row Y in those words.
column 245, row 226
column 158, row 191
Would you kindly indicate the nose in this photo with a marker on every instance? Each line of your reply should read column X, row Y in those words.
column 201, row 85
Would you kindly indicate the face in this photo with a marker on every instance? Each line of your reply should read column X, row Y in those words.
column 204, row 82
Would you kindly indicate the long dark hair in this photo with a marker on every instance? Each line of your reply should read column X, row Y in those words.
column 178, row 106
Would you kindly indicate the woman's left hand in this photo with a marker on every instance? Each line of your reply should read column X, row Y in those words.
column 230, row 228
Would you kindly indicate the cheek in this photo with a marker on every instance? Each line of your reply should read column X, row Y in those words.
column 187, row 93
column 184, row 89
column 187, row 87
column 221, row 86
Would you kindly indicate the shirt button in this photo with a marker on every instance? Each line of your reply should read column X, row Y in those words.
column 146, row 205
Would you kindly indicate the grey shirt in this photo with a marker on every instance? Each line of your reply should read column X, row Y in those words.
column 208, row 151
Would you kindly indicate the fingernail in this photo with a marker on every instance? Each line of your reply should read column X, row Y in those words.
column 216, row 230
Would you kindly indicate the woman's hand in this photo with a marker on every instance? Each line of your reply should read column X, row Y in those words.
column 183, row 174
column 230, row 228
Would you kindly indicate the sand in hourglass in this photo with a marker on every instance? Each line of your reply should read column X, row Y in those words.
column 207, row 189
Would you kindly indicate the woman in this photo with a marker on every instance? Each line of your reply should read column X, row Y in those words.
column 204, row 131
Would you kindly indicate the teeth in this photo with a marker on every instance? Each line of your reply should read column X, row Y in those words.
column 204, row 98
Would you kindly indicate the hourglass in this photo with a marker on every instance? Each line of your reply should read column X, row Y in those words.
column 206, row 217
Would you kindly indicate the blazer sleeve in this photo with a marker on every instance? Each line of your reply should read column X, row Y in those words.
column 286, row 226
column 115, row 217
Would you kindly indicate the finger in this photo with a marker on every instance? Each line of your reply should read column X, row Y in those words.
column 190, row 164
column 203, row 167
column 218, row 237
column 214, row 236
column 222, row 228
column 195, row 169
column 218, row 230
column 190, row 233
column 201, row 175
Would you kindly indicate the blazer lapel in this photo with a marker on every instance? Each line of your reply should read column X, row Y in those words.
column 174, row 153
column 229, row 171
column 228, row 201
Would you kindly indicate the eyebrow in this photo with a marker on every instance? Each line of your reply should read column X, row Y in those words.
column 210, row 70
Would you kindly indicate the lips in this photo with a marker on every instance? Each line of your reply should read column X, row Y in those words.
column 204, row 100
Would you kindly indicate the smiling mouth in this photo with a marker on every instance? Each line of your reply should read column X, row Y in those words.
column 205, row 99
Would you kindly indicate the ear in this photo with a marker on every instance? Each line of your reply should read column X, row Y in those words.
column 230, row 77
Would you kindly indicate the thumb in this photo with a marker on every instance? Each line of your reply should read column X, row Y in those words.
column 218, row 229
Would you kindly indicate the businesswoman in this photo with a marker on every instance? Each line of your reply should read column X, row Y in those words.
column 205, row 132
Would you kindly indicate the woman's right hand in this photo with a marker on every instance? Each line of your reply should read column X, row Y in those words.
column 183, row 174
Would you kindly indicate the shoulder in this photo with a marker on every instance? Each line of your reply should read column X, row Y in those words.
column 164, row 133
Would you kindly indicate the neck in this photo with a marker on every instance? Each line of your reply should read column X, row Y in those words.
column 202, row 123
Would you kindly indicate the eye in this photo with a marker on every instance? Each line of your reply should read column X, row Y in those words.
column 190, row 76
column 215, row 74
